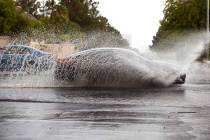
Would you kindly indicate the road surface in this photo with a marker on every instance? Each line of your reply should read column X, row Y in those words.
column 175, row 113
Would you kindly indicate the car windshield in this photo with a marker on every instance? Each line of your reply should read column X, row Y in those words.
column 18, row 50
column 37, row 53
column 11, row 50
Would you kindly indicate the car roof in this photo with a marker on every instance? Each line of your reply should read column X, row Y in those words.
column 29, row 47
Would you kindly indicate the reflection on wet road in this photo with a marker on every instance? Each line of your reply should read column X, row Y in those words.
column 99, row 114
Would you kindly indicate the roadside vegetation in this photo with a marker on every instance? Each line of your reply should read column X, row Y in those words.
column 53, row 21
column 181, row 18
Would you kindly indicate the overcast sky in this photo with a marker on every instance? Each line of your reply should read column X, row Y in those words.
column 136, row 19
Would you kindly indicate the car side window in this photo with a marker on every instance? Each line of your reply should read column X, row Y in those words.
column 24, row 51
column 11, row 50
column 18, row 50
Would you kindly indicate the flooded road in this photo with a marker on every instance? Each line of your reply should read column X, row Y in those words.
column 173, row 113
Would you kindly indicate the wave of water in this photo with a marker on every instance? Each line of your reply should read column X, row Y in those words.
column 104, row 67
column 180, row 57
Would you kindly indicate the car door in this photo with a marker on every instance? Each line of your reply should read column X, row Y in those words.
column 8, row 58
column 15, row 58
column 25, row 58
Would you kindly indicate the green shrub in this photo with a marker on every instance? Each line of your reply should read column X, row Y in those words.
column 7, row 16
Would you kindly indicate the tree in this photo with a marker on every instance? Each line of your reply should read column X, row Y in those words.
column 181, row 16
column 50, row 7
column 78, row 11
column 187, row 14
column 85, row 13
column 30, row 6
column 7, row 16
column 60, row 15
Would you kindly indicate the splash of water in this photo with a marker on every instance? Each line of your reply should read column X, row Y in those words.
column 48, row 40
column 182, row 53
column 112, row 67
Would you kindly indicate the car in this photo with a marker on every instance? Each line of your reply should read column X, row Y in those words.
column 21, row 58
column 116, row 67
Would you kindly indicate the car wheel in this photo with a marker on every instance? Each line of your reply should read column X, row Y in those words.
column 29, row 67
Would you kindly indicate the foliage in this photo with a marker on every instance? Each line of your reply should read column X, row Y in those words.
column 24, row 22
column 46, row 35
column 60, row 15
column 85, row 13
column 187, row 14
column 7, row 16
column 80, row 15
column 180, row 16
column 30, row 6
column 54, row 21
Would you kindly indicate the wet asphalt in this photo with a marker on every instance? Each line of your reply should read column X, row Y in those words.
column 174, row 113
